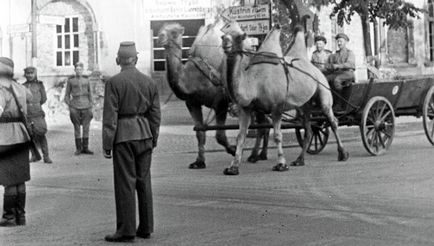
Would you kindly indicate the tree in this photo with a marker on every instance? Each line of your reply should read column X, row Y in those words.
column 395, row 14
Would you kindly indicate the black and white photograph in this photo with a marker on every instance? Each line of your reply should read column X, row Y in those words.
column 217, row 122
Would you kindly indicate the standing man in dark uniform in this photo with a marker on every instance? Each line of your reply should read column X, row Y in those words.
column 342, row 64
column 131, row 122
column 321, row 55
column 78, row 97
column 35, row 114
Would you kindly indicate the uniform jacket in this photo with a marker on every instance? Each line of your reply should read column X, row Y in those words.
column 344, row 59
column 128, row 96
column 78, row 93
column 39, row 97
column 320, row 59
column 12, row 132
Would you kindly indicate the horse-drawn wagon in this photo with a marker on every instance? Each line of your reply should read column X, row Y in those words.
column 373, row 106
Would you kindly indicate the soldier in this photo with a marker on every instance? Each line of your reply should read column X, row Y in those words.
column 131, row 122
column 78, row 97
column 35, row 114
column 341, row 64
column 321, row 55
column 14, row 146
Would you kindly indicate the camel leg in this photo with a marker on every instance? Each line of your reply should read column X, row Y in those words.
column 278, row 136
column 221, row 138
column 264, row 135
column 307, row 125
column 196, row 114
column 254, row 156
column 244, row 122
column 342, row 154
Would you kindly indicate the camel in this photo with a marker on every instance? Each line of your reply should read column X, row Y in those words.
column 268, row 82
column 198, row 83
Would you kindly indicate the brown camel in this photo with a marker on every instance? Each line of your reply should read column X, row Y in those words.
column 268, row 82
column 198, row 83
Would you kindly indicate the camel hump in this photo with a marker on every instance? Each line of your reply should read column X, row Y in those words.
column 207, row 45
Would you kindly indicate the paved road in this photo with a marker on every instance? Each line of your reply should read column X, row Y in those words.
column 385, row 200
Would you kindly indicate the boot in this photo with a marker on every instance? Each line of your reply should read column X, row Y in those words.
column 20, row 209
column 44, row 148
column 8, row 218
column 85, row 149
column 78, row 146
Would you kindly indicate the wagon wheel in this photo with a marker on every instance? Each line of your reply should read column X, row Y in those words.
column 320, row 136
column 428, row 115
column 377, row 125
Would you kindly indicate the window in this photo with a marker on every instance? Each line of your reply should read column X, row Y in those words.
column 190, row 32
column 431, row 29
column 67, row 45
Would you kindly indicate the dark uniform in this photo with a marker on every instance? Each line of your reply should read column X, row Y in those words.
column 78, row 96
column 14, row 146
column 36, row 115
column 131, row 121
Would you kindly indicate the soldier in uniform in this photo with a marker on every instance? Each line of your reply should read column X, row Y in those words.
column 35, row 114
column 14, row 146
column 131, row 122
column 78, row 97
column 341, row 64
column 321, row 55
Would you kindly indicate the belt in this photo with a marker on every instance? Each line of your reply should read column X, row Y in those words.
column 124, row 116
column 10, row 119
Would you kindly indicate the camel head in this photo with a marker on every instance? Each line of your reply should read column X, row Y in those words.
column 234, row 38
column 171, row 32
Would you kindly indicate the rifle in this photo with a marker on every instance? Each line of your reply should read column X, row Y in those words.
column 24, row 120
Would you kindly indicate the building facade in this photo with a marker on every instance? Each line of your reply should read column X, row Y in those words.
column 90, row 31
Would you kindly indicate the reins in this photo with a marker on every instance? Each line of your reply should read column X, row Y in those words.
column 290, row 64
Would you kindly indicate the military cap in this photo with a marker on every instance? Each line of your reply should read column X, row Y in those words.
column 79, row 64
column 127, row 49
column 342, row 35
column 29, row 69
column 320, row 38
column 6, row 66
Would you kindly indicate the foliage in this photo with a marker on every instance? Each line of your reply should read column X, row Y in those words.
column 394, row 12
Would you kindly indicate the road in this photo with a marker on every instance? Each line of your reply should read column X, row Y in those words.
column 384, row 200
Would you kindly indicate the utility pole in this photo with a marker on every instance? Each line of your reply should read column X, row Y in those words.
column 34, row 44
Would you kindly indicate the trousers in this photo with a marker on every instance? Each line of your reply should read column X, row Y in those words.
column 81, row 117
column 131, row 164
column 339, row 79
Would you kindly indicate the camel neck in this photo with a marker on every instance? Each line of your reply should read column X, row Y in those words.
column 175, row 71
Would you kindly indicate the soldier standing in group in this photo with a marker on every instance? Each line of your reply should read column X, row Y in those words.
column 78, row 97
column 14, row 145
column 321, row 55
column 35, row 114
column 131, row 122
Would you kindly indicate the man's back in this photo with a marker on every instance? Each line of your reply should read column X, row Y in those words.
column 132, row 109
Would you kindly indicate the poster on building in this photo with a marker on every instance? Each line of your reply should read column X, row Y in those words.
column 175, row 9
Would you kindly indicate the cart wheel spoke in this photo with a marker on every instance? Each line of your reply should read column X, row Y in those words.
column 383, row 118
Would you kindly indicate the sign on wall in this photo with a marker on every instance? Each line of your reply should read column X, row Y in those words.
column 254, row 20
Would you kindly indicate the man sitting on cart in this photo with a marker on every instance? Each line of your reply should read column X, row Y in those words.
column 341, row 65
column 321, row 55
